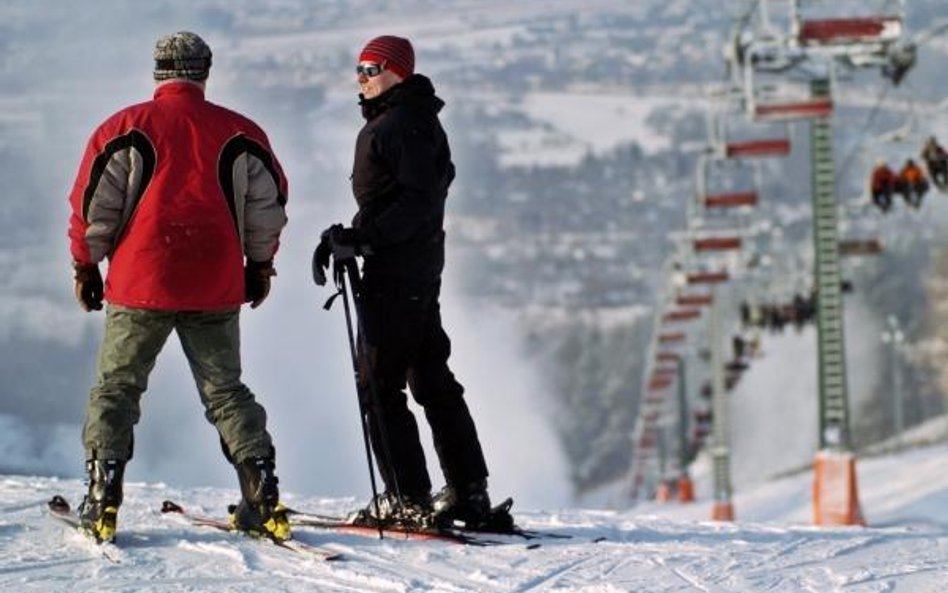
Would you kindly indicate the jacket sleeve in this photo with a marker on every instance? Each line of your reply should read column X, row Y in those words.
column 113, row 172
column 412, row 155
column 264, row 208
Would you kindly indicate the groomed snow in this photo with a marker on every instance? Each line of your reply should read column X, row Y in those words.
column 657, row 548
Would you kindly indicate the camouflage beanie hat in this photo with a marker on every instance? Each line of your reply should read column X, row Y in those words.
column 181, row 55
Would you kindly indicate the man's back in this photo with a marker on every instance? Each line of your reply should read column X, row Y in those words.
column 163, row 191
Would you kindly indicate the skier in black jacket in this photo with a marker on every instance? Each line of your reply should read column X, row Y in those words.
column 400, row 180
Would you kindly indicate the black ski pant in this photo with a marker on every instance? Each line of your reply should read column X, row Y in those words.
column 405, row 344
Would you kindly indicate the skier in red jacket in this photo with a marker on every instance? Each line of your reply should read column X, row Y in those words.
column 186, row 200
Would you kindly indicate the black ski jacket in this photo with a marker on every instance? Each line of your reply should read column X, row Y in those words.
column 400, row 180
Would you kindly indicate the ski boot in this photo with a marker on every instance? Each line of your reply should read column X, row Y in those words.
column 260, row 512
column 468, row 504
column 412, row 511
column 98, row 512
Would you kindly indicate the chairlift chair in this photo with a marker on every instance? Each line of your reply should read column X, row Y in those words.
column 722, row 243
column 671, row 337
column 693, row 300
column 679, row 315
column 732, row 136
column 708, row 277
column 853, row 247
column 730, row 199
column 836, row 25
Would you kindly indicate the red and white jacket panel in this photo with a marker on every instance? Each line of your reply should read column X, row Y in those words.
column 175, row 192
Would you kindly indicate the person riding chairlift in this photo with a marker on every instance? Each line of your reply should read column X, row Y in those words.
column 912, row 184
column 882, row 185
column 936, row 159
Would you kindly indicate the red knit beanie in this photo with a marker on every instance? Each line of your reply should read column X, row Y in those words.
column 395, row 52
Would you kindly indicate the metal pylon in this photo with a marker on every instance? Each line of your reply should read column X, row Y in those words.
column 834, row 409
column 720, row 450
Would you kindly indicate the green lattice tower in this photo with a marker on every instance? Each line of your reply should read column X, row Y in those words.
column 720, row 451
column 682, row 418
column 834, row 410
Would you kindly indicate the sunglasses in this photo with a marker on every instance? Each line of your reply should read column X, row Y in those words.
column 370, row 70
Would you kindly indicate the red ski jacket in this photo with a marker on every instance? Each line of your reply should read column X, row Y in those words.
column 175, row 192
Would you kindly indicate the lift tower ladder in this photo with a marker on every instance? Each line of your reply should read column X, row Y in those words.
column 834, row 416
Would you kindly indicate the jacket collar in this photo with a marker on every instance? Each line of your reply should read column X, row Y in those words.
column 416, row 89
column 179, row 88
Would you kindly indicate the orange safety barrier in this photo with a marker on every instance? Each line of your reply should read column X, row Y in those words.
column 722, row 511
column 835, row 492
column 663, row 493
column 686, row 489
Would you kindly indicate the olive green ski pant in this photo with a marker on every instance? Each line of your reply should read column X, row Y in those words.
column 211, row 341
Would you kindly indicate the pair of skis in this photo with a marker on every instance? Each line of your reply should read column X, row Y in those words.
column 60, row 510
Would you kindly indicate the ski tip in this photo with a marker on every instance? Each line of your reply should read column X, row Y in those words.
column 58, row 504
column 168, row 506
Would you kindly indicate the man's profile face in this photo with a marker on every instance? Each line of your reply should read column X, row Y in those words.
column 374, row 79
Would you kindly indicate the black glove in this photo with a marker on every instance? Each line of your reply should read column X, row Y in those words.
column 257, row 281
column 321, row 256
column 347, row 242
column 88, row 286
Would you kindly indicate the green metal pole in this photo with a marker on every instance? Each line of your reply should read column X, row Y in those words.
column 834, row 410
column 682, row 419
column 720, row 452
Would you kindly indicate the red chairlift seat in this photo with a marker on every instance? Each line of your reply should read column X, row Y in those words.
column 659, row 383
column 808, row 109
column 839, row 31
column 708, row 277
column 665, row 373
column 730, row 200
column 757, row 148
column 694, row 300
column 681, row 315
column 671, row 337
column 860, row 247
column 660, row 377
column 667, row 357
column 717, row 244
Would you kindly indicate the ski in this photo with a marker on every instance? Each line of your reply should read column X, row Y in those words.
column 456, row 533
column 172, row 508
column 59, row 510
column 402, row 532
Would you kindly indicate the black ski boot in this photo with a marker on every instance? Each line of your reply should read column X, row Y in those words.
column 260, row 512
column 98, row 512
column 412, row 511
column 468, row 504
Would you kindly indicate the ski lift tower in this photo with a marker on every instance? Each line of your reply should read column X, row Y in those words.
column 826, row 36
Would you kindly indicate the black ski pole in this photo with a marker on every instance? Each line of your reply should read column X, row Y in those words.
column 344, row 264
column 374, row 410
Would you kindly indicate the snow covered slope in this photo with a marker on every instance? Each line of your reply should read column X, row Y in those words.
column 664, row 548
